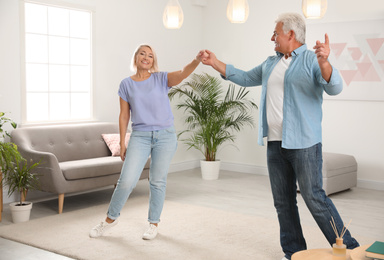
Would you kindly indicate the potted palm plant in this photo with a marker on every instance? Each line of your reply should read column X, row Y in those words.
column 21, row 178
column 16, row 172
column 8, row 152
column 211, row 117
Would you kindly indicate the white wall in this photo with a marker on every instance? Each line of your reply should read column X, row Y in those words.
column 350, row 127
column 120, row 25
column 10, row 92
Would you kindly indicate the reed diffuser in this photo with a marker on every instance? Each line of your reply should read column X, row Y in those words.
column 339, row 248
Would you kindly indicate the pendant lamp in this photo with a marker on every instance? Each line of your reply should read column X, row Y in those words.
column 173, row 15
column 314, row 9
column 237, row 11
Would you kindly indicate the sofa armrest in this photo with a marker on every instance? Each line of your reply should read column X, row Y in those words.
column 49, row 172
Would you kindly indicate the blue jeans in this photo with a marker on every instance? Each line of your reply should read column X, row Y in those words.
column 286, row 166
column 161, row 145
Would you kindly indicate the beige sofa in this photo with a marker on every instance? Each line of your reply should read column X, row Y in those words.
column 339, row 172
column 74, row 157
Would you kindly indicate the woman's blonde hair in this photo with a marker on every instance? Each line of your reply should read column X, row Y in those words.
column 154, row 67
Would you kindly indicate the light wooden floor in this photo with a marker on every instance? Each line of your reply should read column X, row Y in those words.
column 237, row 192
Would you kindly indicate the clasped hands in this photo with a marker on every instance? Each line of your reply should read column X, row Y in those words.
column 206, row 57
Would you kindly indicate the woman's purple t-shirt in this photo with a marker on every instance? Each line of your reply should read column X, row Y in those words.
column 148, row 101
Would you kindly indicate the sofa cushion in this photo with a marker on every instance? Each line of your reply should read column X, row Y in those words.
column 113, row 142
column 335, row 164
column 90, row 168
column 95, row 167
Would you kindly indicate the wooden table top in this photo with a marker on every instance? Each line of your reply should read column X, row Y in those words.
column 318, row 254
column 326, row 253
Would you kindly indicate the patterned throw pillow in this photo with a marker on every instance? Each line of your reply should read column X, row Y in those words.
column 113, row 142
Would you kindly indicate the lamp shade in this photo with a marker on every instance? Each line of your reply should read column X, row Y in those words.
column 173, row 15
column 237, row 11
column 314, row 9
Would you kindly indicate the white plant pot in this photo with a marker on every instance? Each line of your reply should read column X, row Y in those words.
column 20, row 213
column 210, row 169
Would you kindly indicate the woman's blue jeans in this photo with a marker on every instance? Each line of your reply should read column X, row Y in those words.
column 286, row 166
column 161, row 145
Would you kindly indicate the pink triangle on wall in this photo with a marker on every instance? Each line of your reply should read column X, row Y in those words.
column 375, row 44
column 364, row 66
column 370, row 76
column 355, row 53
column 337, row 48
column 348, row 75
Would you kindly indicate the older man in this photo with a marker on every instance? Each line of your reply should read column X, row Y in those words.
column 293, row 82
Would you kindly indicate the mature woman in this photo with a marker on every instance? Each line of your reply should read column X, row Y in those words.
column 144, row 100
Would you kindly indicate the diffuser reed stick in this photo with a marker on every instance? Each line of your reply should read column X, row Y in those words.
column 334, row 227
column 345, row 229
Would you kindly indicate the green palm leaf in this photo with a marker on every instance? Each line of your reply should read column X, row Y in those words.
column 212, row 118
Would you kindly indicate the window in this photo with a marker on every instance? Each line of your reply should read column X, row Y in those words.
column 58, row 85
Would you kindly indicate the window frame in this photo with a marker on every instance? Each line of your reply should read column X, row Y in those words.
column 64, row 5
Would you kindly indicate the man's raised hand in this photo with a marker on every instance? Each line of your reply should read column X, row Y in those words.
column 322, row 50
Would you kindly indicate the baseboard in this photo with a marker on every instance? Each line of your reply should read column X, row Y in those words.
column 371, row 185
column 226, row 166
column 254, row 169
column 183, row 166
column 244, row 168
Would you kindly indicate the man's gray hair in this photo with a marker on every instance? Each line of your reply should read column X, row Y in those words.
column 294, row 22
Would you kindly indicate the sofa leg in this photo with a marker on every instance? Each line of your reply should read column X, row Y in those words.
column 61, row 202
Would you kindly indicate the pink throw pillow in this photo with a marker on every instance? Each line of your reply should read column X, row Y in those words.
column 113, row 142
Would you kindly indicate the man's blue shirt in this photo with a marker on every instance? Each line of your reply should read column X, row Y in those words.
column 303, row 96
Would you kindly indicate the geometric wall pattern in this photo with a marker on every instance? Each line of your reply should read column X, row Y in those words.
column 362, row 59
column 357, row 51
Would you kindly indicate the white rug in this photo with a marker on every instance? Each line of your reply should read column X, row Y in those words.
column 185, row 232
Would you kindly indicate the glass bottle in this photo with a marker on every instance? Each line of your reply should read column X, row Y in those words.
column 339, row 250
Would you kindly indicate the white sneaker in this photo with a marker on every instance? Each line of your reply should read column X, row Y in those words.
column 99, row 229
column 150, row 233
column 284, row 258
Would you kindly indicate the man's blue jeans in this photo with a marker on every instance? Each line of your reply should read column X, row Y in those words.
column 161, row 145
column 286, row 166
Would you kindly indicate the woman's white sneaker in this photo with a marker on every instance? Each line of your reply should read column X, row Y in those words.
column 99, row 229
column 150, row 233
